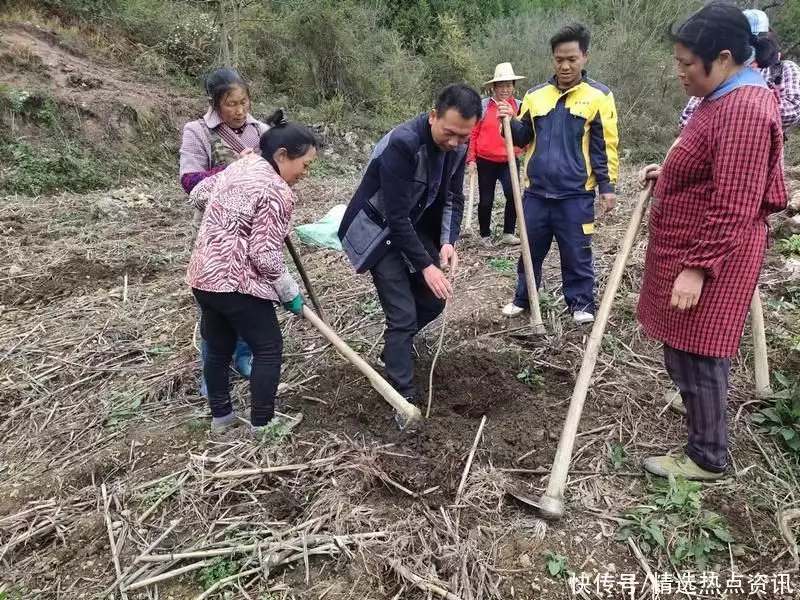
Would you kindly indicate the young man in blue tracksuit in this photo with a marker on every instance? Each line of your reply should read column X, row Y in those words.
column 570, row 123
column 404, row 219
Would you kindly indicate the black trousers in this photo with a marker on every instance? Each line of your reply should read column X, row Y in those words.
column 703, row 383
column 409, row 305
column 488, row 174
column 225, row 317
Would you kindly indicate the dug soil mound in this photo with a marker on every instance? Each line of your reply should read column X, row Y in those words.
column 467, row 385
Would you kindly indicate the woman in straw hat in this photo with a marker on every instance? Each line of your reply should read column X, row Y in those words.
column 487, row 154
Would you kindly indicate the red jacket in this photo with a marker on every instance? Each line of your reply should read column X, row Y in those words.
column 486, row 141
column 717, row 188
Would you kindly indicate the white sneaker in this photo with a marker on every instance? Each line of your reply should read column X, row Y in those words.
column 486, row 242
column 511, row 310
column 581, row 317
column 509, row 239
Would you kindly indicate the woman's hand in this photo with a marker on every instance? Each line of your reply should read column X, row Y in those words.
column 295, row 306
column 687, row 289
column 245, row 152
column 504, row 110
column 649, row 173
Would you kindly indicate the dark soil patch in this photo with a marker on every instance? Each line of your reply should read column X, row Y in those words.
column 520, row 417
column 75, row 276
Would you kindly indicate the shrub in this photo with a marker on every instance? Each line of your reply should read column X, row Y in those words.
column 193, row 44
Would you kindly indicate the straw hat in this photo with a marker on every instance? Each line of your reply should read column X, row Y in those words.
column 504, row 72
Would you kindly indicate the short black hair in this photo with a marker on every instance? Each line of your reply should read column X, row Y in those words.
column 222, row 81
column 295, row 138
column 768, row 51
column 719, row 27
column 575, row 32
column 461, row 97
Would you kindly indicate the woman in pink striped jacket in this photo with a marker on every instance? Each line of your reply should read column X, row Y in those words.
column 237, row 271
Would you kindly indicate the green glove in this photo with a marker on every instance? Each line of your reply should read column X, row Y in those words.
column 295, row 306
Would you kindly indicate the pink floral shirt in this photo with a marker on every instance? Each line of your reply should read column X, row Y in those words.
column 239, row 248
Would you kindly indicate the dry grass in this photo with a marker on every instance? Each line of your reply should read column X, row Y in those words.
column 106, row 459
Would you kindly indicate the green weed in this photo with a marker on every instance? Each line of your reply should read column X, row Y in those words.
column 618, row 458
column 789, row 246
column 557, row 565
column 219, row 569
column 273, row 433
column 548, row 302
column 505, row 265
column 155, row 493
column 782, row 419
column 160, row 350
column 158, row 259
column 356, row 345
column 531, row 377
column 124, row 408
column 676, row 525
column 370, row 307
column 196, row 425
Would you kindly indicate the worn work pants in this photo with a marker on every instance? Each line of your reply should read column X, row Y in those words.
column 571, row 223
column 225, row 317
column 703, row 382
column 488, row 174
column 409, row 305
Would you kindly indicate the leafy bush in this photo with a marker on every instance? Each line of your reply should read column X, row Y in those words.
column 192, row 45
column 381, row 61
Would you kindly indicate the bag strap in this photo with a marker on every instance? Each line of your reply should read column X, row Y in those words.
column 230, row 138
column 223, row 132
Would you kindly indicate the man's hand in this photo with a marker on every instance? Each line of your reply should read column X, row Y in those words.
column 437, row 282
column 649, row 173
column 449, row 258
column 687, row 289
column 609, row 201
column 446, row 254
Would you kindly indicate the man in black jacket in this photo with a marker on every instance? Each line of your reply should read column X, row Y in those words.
column 404, row 219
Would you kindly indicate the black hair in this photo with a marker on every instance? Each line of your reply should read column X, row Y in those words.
column 768, row 51
column 717, row 27
column 773, row 35
column 295, row 138
column 461, row 97
column 575, row 32
column 222, row 81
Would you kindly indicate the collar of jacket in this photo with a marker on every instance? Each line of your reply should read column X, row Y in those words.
column 424, row 131
column 213, row 120
column 554, row 83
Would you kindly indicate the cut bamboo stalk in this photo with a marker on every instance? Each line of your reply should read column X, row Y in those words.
column 763, row 387
column 527, row 260
column 409, row 411
column 552, row 503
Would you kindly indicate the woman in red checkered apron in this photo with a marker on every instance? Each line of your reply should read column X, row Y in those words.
column 708, row 227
